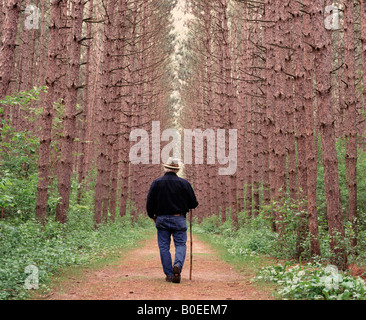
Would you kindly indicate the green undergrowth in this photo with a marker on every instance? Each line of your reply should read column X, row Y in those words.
column 237, row 251
column 255, row 249
column 248, row 262
column 313, row 281
column 30, row 255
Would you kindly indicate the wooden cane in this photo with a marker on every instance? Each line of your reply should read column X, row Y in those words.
column 191, row 245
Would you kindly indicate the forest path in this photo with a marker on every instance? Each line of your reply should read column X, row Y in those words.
column 138, row 275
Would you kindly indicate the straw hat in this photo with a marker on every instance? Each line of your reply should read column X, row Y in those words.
column 172, row 163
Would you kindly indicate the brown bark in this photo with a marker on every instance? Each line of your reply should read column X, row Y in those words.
column 222, row 101
column 269, row 111
column 85, row 121
column 241, row 111
column 310, row 138
column 142, row 120
column 300, row 120
column 12, row 10
column 52, row 81
column 304, row 123
column 132, row 102
column 1, row 18
column 289, row 102
column 323, row 62
column 279, row 106
column 117, row 127
column 40, row 72
column 69, row 131
column 256, row 117
column 101, row 188
column 350, row 114
column 92, row 130
column 231, row 103
column 210, row 101
column 247, row 109
column 363, row 42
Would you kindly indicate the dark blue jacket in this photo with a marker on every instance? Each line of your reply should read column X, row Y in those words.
column 170, row 194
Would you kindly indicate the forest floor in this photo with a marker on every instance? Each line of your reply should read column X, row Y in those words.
column 137, row 275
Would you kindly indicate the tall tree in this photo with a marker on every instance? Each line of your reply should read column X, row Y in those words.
column 323, row 63
column 119, row 73
column 280, row 49
column 350, row 112
column 101, row 190
column 231, row 102
column 12, row 10
column 52, row 80
column 301, row 68
column 243, row 53
column 289, row 100
column 269, row 89
column 86, row 110
column 69, row 130
column 310, row 138
column 363, row 42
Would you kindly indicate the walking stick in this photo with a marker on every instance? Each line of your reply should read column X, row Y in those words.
column 191, row 253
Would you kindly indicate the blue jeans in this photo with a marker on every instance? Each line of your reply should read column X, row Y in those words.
column 168, row 225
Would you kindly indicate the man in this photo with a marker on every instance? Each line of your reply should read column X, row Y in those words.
column 169, row 199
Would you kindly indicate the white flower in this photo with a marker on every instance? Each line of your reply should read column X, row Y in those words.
column 301, row 273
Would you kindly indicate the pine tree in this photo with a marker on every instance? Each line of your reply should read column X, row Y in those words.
column 65, row 169
column 323, row 63
column 53, row 78
column 9, row 32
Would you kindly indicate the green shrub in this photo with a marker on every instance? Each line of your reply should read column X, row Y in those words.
column 57, row 245
column 252, row 237
column 313, row 281
column 209, row 225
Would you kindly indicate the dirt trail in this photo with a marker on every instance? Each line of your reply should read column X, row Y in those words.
column 138, row 275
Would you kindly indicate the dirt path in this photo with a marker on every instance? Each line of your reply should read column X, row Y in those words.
column 138, row 276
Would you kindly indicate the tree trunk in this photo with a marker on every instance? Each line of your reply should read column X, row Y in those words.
column 279, row 106
column 69, row 131
column 256, row 112
column 12, row 10
column 323, row 63
column 231, row 103
column 52, row 81
column 270, row 87
column 222, row 103
column 310, row 139
column 101, row 190
column 86, row 93
column 241, row 110
column 350, row 114
column 363, row 42
column 289, row 102
column 300, row 124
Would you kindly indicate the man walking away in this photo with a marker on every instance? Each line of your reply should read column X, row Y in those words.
column 169, row 199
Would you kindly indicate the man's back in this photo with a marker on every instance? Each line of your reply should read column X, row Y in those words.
column 170, row 194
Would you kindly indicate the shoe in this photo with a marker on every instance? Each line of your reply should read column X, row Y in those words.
column 169, row 278
column 176, row 274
